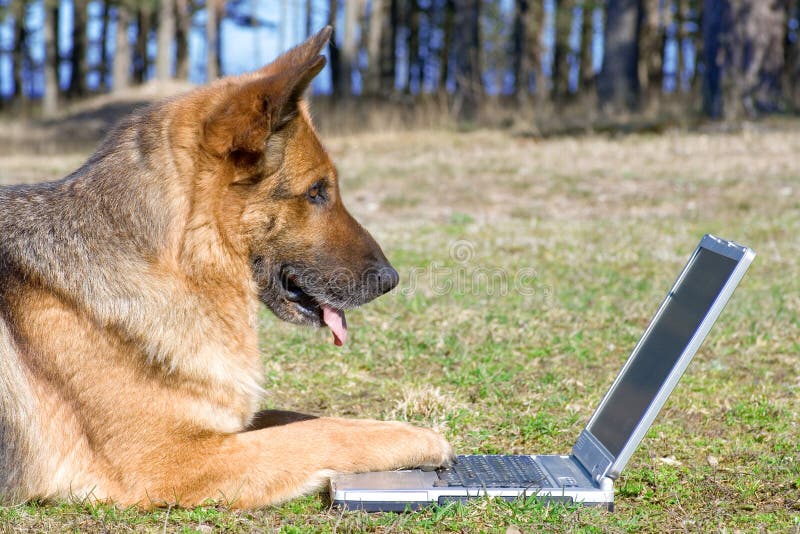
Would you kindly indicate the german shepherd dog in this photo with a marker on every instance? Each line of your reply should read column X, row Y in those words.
column 129, row 297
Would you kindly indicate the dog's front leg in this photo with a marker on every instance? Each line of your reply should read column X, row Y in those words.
column 271, row 465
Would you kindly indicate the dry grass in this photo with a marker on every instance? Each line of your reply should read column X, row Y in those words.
column 601, row 226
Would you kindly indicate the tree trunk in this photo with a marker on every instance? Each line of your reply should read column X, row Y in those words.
column 183, row 25
column 447, row 40
column 538, row 32
column 78, row 60
column 388, row 48
column 681, row 20
column 379, row 77
column 466, row 58
column 349, row 57
column 18, row 55
column 333, row 50
column 586, row 60
column 309, row 18
column 618, row 82
column 51, row 88
column 763, row 27
column 696, row 80
column 712, row 77
column 220, row 15
column 165, row 35
column 519, row 48
column 743, row 56
column 141, row 59
column 791, row 70
column 377, row 15
column 103, row 69
column 212, row 38
column 413, row 70
column 563, row 27
column 652, row 47
column 121, row 68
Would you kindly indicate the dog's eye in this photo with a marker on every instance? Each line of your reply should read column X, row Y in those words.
column 317, row 193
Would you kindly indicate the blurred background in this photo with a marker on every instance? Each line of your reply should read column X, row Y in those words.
column 538, row 66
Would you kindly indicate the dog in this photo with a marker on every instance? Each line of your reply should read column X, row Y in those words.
column 129, row 297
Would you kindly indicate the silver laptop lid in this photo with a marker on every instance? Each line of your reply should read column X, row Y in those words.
column 661, row 356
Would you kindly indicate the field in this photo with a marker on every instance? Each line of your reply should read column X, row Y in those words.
column 529, row 268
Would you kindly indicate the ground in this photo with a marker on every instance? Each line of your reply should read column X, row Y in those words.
column 529, row 269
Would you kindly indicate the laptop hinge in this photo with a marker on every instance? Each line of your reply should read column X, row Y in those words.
column 593, row 456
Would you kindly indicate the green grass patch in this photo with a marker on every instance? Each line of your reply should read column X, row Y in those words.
column 522, row 293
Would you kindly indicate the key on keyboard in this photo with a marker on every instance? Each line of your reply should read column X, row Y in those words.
column 493, row 471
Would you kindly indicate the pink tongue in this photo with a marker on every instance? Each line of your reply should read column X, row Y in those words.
column 336, row 322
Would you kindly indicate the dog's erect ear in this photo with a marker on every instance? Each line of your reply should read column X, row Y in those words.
column 244, row 120
column 301, row 54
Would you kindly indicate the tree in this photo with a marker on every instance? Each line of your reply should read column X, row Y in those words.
column 466, row 58
column 373, row 75
column 563, row 27
column 743, row 57
column 413, row 67
column 618, row 81
column 212, row 40
column 165, row 36
column 103, row 66
column 652, row 41
column 349, row 56
column 519, row 46
column 495, row 33
column 388, row 54
column 762, row 53
column 19, row 54
column 682, row 23
column 141, row 56
column 51, row 86
column 121, row 65
column 333, row 50
column 586, row 59
column 448, row 18
column 183, row 23
column 380, row 53
column 791, row 70
column 309, row 18
column 80, row 45
column 536, row 29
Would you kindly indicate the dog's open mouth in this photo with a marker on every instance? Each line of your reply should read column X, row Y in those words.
column 315, row 309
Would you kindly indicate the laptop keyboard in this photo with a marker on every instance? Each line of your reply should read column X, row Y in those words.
column 493, row 471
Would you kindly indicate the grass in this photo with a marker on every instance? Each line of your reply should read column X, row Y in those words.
column 529, row 270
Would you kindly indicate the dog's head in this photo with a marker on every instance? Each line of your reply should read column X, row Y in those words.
column 280, row 204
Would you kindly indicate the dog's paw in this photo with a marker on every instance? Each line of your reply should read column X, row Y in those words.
column 427, row 449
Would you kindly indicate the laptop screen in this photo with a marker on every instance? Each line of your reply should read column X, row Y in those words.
column 660, row 349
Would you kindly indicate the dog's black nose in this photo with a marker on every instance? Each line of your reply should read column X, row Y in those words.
column 387, row 278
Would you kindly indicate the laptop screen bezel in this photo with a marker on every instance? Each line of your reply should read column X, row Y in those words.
column 588, row 449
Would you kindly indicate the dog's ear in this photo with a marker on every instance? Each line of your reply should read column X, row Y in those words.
column 251, row 112
column 301, row 54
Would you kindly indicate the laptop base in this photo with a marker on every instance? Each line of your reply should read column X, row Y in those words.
column 549, row 478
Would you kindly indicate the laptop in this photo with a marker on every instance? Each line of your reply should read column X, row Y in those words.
column 603, row 448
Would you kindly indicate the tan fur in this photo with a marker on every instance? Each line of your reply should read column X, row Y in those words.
column 129, row 294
